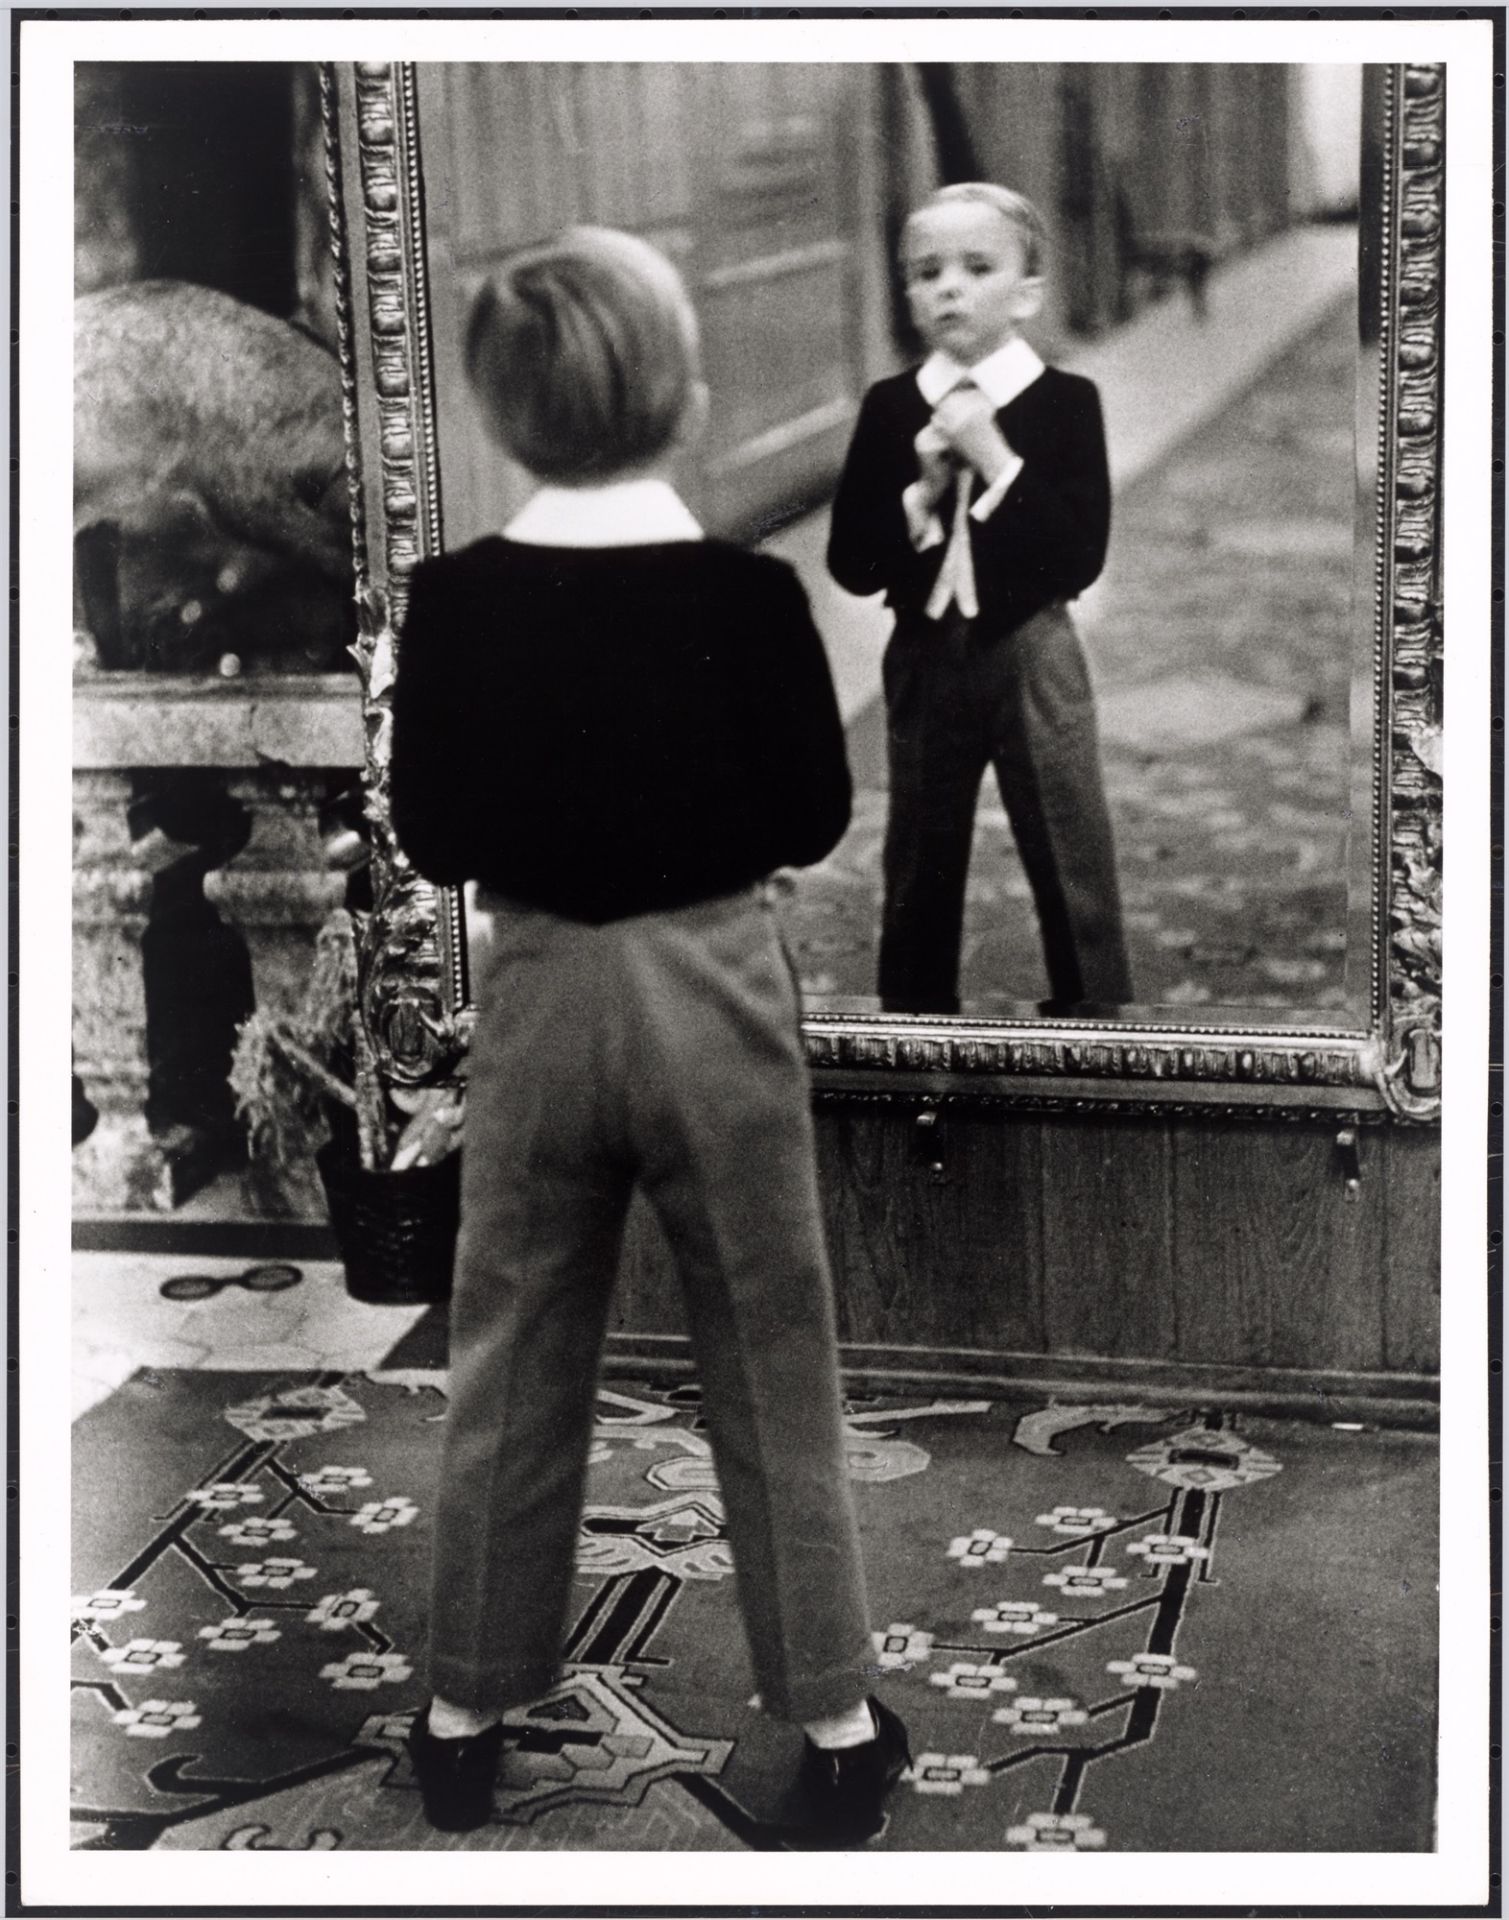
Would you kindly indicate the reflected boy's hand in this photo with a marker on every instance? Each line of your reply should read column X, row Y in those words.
column 936, row 465
column 967, row 422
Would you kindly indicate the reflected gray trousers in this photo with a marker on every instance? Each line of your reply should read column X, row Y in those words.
column 961, row 698
column 661, row 1051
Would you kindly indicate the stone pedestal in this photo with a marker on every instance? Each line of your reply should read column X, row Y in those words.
column 123, row 1165
column 276, row 892
column 274, row 740
column 277, row 895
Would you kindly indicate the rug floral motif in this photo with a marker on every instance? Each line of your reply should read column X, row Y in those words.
column 1107, row 1626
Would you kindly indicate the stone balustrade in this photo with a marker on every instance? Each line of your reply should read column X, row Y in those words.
column 189, row 795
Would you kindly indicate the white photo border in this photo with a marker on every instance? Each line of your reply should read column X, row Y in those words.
column 1456, row 1874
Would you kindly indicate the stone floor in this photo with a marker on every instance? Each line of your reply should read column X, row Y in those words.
column 121, row 1321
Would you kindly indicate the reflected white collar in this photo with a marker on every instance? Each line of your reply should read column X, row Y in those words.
column 624, row 513
column 1000, row 376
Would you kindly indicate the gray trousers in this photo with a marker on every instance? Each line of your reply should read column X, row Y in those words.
column 959, row 699
column 661, row 1051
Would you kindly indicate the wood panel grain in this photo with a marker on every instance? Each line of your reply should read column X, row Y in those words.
column 1108, row 1237
column 950, row 1258
column 1347, row 1280
column 1273, row 1263
column 1410, row 1184
column 647, row 1299
column 775, row 343
column 1185, row 1246
column 733, row 170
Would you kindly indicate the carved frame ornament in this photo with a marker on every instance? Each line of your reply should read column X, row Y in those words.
column 413, row 964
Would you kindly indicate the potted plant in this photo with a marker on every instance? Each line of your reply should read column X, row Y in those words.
column 307, row 1093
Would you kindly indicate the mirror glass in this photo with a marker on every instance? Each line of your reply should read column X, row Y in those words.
column 1204, row 268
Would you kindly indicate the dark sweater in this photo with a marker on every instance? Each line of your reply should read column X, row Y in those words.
column 611, row 731
column 1045, row 541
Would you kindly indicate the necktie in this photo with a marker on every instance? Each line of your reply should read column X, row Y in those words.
column 956, row 577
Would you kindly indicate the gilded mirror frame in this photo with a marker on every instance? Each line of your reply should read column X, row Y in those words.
column 413, row 963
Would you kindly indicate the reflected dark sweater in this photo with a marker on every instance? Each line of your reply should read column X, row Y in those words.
column 607, row 731
column 1046, row 540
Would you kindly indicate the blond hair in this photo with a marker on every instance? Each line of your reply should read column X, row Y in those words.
column 583, row 353
column 1014, row 207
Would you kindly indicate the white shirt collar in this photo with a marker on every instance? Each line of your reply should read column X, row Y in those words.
column 623, row 513
column 1000, row 376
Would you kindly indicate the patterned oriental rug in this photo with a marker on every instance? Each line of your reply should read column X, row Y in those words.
column 1108, row 1626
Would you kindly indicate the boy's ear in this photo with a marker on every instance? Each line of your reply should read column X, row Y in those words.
column 1028, row 301
column 694, row 415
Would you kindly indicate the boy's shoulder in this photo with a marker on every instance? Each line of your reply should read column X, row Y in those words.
column 896, row 389
column 753, row 570
column 1065, row 385
column 900, row 390
column 483, row 560
column 458, row 564
column 1053, row 371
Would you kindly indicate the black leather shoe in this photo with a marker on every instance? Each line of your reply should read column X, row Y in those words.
column 844, row 1788
column 455, row 1776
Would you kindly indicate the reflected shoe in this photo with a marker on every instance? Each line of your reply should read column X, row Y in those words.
column 455, row 1777
column 844, row 1788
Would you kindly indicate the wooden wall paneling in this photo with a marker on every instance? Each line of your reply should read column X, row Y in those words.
column 1108, row 1237
column 493, row 179
column 990, row 1212
column 1266, row 1243
column 1184, row 143
column 1275, row 155
column 776, row 345
column 615, row 135
column 591, row 112
column 950, row 1260
column 736, row 171
column 871, row 1269
column 553, row 195
column 647, row 1298
column 1170, row 1246
column 1107, row 90
column 1269, row 108
column 773, row 288
column 1148, row 182
column 477, row 202
column 1212, row 151
column 873, row 351
column 1409, row 1198
column 1232, row 162
column 1075, row 259
column 1118, row 132
column 668, row 159
column 1346, row 1281
column 1344, row 1278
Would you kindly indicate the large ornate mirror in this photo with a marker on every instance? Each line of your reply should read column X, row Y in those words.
column 1257, row 296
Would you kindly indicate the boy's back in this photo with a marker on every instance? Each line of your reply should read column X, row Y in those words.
column 614, row 730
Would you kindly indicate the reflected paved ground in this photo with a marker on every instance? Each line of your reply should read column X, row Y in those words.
column 1219, row 641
